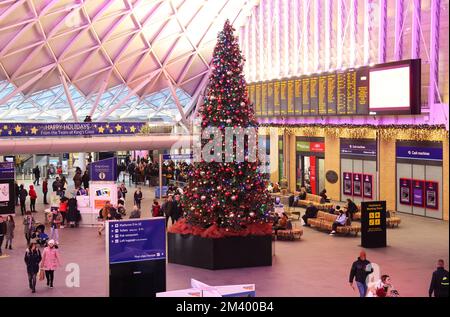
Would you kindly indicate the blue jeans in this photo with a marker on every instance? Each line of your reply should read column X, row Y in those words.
column 362, row 287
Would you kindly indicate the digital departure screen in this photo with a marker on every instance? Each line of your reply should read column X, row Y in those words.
column 391, row 88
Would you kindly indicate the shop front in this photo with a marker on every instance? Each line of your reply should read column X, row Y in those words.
column 310, row 163
column 419, row 178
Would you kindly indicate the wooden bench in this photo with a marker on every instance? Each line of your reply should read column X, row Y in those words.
column 392, row 221
column 315, row 200
column 325, row 221
column 290, row 235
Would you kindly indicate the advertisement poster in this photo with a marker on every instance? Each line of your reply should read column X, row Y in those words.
column 4, row 192
column 368, row 186
column 100, row 193
column 347, row 183
column 405, row 191
column 357, row 184
column 418, row 193
column 432, row 199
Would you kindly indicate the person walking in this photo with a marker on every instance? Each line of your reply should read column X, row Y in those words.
column 138, row 197
column 136, row 213
column 177, row 212
column 33, row 197
column 22, row 197
column 439, row 281
column 10, row 226
column 167, row 208
column 37, row 175
column 32, row 259
column 77, row 179
column 16, row 192
column 123, row 191
column 361, row 268
column 28, row 226
column 85, row 180
column 2, row 232
column 54, row 219
column 50, row 262
column 45, row 190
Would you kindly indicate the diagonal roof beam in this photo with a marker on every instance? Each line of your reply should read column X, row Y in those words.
column 175, row 98
column 68, row 95
column 128, row 96
column 10, row 9
column 25, row 85
column 199, row 43
column 100, row 92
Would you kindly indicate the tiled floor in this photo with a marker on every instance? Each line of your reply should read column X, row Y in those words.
column 318, row 265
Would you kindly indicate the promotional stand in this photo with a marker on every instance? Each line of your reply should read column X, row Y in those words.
column 7, row 190
column 136, row 257
column 102, row 187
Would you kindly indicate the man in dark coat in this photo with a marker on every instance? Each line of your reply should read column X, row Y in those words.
column 439, row 281
column 361, row 268
column 37, row 175
column 22, row 197
column 311, row 212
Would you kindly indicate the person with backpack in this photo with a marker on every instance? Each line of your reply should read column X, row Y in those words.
column 439, row 281
column 33, row 197
column 22, row 197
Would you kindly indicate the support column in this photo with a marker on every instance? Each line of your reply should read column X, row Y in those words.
column 434, row 51
column 292, row 166
column 81, row 161
column 387, row 173
column 415, row 33
column 445, row 186
column 332, row 163
column 274, row 172
column 382, row 31
column 398, row 47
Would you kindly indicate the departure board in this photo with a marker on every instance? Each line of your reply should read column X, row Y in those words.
column 276, row 98
column 283, row 97
column 258, row 98
column 270, row 99
column 298, row 97
column 351, row 92
column 290, row 98
column 313, row 97
column 362, row 90
column 305, row 96
column 322, row 95
column 263, row 99
column 331, row 94
column 343, row 92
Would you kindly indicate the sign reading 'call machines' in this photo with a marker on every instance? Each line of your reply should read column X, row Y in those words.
column 136, row 253
column 373, row 224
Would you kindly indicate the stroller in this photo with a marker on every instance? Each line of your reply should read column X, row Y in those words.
column 40, row 236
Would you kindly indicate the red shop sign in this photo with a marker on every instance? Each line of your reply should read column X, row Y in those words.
column 317, row 147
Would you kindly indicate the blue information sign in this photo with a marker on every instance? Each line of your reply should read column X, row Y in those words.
column 6, row 170
column 358, row 147
column 167, row 157
column 137, row 240
column 419, row 153
column 104, row 170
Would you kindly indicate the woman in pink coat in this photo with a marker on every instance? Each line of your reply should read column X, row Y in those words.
column 50, row 261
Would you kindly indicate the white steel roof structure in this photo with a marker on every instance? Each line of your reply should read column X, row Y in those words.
column 61, row 60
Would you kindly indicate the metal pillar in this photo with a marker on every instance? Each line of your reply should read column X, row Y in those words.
column 415, row 33
column 434, row 51
column 382, row 31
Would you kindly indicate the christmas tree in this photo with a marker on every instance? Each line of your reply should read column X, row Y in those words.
column 224, row 198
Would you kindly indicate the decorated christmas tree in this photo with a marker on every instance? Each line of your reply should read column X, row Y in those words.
column 226, row 198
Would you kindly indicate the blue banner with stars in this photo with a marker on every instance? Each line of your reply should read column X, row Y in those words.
column 69, row 129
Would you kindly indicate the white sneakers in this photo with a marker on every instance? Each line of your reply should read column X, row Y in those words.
column 332, row 233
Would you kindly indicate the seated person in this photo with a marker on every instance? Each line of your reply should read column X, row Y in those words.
column 335, row 210
column 276, row 188
column 41, row 237
column 311, row 212
column 282, row 223
column 351, row 208
column 324, row 197
column 81, row 192
column 341, row 220
column 302, row 195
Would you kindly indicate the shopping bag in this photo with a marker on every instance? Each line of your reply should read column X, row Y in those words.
column 41, row 275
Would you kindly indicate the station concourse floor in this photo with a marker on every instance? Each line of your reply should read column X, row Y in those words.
column 317, row 265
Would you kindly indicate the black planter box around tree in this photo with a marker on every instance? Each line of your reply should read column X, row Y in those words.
column 216, row 254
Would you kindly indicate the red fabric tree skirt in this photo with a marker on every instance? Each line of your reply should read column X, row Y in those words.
column 254, row 229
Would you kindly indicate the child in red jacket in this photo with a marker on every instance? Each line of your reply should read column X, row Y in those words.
column 33, row 197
